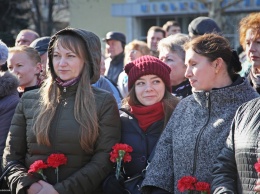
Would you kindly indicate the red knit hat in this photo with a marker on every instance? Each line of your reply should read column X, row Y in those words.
column 148, row 65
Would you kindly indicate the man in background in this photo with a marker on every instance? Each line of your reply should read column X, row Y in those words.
column 25, row 37
column 154, row 35
column 41, row 45
column 203, row 25
column 115, row 44
column 171, row 27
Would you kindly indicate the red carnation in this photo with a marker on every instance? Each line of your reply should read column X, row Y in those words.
column 186, row 183
column 120, row 152
column 55, row 160
column 122, row 149
column 257, row 166
column 37, row 166
column 127, row 157
column 204, row 187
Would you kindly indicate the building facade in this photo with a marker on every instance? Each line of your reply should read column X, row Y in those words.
column 135, row 17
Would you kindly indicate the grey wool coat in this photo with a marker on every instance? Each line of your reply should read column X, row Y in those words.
column 194, row 136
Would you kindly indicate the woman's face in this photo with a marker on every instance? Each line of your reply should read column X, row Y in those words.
column 200, row 71
column 175, row 62
column 253, row 48
column 27, row 70
column 132, row 54
column 67, row 64
column 149, row 89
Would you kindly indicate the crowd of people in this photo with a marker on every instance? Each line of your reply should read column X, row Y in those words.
column 186, row 105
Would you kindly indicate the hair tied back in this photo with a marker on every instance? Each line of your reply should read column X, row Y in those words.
column 235, row 62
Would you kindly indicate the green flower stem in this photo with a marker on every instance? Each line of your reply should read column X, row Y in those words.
column 41, row 173
column 121, row 154
column 57, row 173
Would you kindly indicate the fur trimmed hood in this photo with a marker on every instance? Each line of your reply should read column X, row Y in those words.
column 8, row 84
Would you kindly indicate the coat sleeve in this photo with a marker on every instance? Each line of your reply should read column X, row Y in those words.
column 224, row 169
column 89, row 178
column 162, row 160
column 18, row 178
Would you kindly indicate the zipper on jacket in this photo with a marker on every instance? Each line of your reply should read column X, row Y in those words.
column 199, row 135
column 65, row 98
column 207, row 99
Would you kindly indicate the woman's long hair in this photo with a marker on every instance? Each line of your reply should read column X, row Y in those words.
column 169, row 103
column 84, row 108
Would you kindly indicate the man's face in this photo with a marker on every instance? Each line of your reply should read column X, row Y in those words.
column 153, row 38
column 24, row 38
column 173, row 30
column 113, row 48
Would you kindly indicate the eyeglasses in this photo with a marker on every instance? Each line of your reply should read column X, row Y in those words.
column 133, row 52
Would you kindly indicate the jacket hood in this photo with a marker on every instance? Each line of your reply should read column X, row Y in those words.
column 8, row 84
column 93, row 46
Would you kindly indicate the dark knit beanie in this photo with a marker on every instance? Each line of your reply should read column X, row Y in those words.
column 148, row 65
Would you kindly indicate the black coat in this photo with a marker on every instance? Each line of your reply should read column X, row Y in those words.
column 234, row 171
column 141, row 142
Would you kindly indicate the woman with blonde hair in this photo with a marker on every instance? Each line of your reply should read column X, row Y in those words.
column 25, row 63
column 133, row 50
column 66, row 116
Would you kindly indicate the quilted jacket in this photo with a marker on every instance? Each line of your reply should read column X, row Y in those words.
column 234, row 171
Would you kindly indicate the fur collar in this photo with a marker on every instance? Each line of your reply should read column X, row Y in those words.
column 8, row 84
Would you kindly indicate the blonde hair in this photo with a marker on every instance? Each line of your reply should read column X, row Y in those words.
column 29, row 51
column 137, row 45
column 84, row 109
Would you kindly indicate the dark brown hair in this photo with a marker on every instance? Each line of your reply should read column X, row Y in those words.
column 169, row 24
column 213, row 46
column 157, row 29
column 169, row 103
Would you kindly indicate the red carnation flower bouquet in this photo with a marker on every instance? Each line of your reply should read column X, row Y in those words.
column 54, row 161
column 120, row 153
column 190, row 183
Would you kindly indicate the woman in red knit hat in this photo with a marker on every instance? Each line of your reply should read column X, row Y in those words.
column 147, row 109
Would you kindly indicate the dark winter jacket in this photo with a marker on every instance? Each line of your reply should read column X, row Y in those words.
column 195, row 134
column 182, row 90
column 84, row 171
column 115, row 67
column 9, row 98
column 234, row 170
column 141, row 142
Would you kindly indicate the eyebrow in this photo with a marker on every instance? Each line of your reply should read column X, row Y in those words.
column 154, row 77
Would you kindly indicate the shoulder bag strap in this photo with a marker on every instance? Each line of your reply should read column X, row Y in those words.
column 8, row 167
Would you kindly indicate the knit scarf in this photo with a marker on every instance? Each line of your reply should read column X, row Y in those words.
column 147, row 115
column 71, row 82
